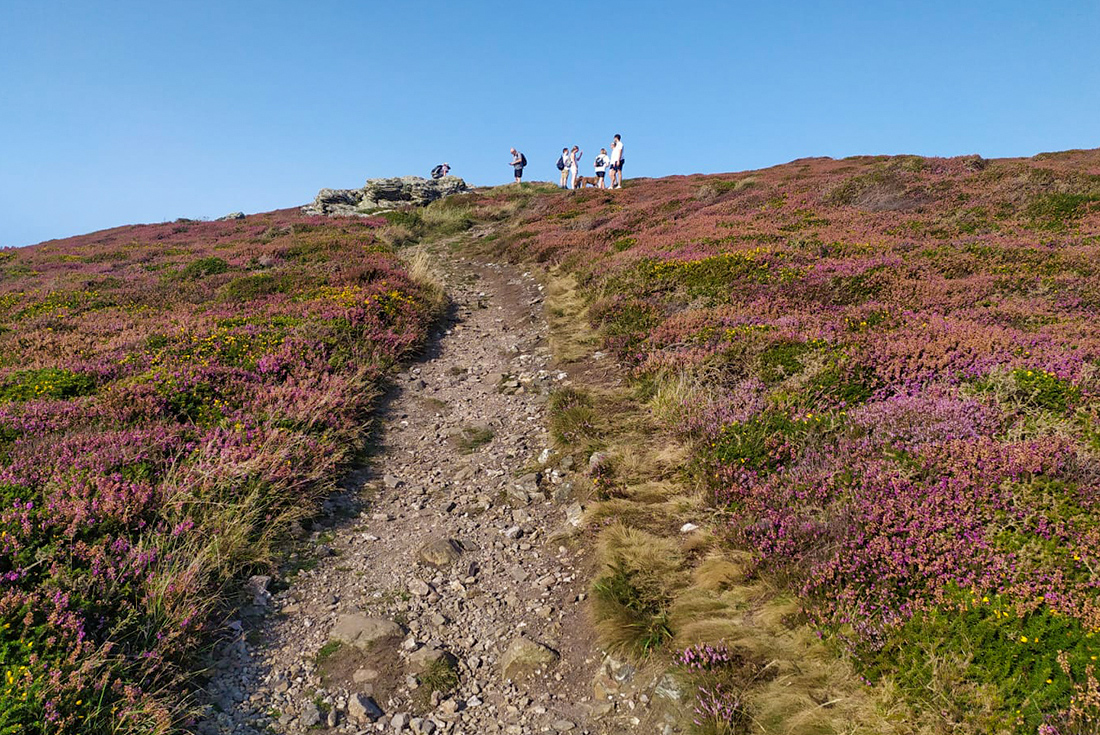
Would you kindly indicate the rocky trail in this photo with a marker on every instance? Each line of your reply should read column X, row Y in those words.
column 445, row 593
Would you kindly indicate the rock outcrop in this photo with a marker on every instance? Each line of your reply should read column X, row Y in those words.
column 379, row 195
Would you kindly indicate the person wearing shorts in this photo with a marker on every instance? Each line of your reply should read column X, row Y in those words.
column 617, row 161
column 601, row 164
column 565, row 167
column 518, row 162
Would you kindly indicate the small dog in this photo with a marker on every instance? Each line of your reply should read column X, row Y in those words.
column 583, row 181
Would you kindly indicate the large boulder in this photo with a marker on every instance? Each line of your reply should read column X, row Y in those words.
column 379, row 195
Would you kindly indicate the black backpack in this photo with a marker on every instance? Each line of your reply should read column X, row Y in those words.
column 522, row 160
column 437, row 172
column 561, row 163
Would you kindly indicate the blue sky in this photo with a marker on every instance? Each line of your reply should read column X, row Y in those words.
column 120, row 112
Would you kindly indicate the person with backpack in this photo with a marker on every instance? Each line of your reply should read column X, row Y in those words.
column 601, row 164
column 574, row 162
column 518, row 162
column 441, row 170
column 563, row 166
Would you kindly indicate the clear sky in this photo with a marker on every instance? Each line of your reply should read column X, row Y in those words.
column 116, row 112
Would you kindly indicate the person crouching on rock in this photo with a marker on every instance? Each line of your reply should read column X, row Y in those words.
column 441, row 170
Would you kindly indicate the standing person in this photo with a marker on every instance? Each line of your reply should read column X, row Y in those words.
column 617, row 161
column 518, row 162
column 601, row 164
column 563, row 166
column 574, row 162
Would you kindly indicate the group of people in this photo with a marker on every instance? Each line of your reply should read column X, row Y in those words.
column 569, row 165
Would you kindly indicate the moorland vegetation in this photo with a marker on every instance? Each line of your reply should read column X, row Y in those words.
column 887, row 370
column 173, row 399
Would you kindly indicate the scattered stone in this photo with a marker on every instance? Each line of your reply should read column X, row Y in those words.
column 420, row 588
column 688, row 528
column 363, row 632
column 524, row 656
column 440, row 552
column 310, row 715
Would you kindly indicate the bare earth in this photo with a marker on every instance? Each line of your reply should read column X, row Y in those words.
column 464, row 465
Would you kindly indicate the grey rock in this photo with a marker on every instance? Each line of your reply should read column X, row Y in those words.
column 363, row 632
column 384, row 194
column 419, row 588
column 440, row 552
column 310, row 715
column 399, row 722
column 523, row 656
column 669, row 688
column 363, row 708
column 424, row 658
column 563, row 725
column 230, row 216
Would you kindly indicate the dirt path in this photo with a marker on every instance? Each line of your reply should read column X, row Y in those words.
column 449, row 547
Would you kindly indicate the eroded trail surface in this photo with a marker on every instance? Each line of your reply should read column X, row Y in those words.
column 452, row 559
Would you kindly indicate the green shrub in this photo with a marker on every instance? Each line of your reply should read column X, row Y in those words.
column 1055, row 211
column 27, row 385
column 410, row 218
column 781, row 360
column 762, row 443
column 1045, row 390
column 982, row 645
column 254, row 286
column 204, row 267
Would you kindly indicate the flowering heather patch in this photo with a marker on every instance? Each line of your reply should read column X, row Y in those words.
column 896, row 365
column 171, row 397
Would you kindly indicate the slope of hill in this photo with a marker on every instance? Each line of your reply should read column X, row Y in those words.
column 888, row 371
column 880, row 375
column 172, row 398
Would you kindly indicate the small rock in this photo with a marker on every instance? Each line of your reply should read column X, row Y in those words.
column 440, row 552
column 363, row 708
column 363, row 632
column 310, row 715
column 688, row 528
column 524, row 656
column 419, row 588
column 426, row 657
column 399, row 722
column 563, row 725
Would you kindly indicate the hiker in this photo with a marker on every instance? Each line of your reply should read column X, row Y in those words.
column 441, row 170
column 617, row 161
column 601, row 164
column 574, row 162
column 563, row 166
column 518, row 162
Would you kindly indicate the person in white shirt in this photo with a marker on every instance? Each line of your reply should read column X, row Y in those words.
column 574, row 162
column 617, row 161
column 601, row 164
